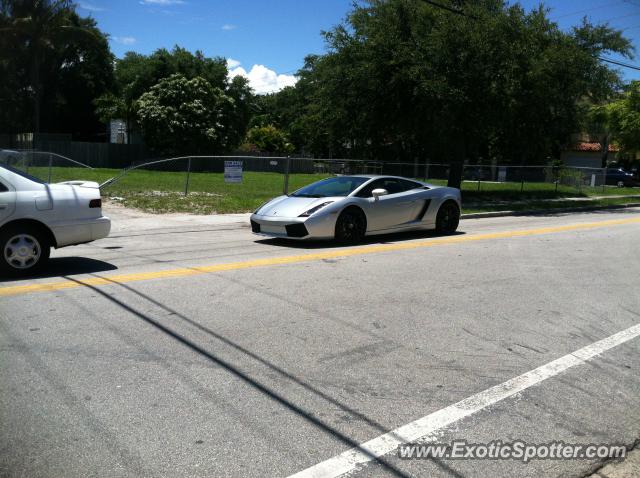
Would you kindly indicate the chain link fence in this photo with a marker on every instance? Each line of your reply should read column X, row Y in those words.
column 260, row 178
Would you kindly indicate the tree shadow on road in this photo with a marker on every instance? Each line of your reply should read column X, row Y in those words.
column 262, row 388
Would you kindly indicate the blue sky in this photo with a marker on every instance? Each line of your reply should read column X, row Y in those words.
column 268, row 39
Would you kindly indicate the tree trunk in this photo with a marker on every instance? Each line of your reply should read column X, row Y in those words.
column 37, row 93
column 456, row 165
column 605, row 149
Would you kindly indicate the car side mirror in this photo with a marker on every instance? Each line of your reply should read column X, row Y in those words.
column 376, row 193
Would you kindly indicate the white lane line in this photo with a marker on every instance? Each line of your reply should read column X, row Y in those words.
column 349, row 460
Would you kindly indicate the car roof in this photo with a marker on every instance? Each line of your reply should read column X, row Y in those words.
column 376, row 176
column 379, row 176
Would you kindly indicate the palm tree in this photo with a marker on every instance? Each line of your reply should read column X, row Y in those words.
column 40, row 27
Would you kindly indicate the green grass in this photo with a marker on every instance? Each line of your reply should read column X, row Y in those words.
column 516, row 191
column 163, row 191
column 547, row 205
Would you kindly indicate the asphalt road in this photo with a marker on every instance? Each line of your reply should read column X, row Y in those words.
column 184, row 346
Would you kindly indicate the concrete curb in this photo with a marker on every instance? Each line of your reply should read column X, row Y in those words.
column 538, row 212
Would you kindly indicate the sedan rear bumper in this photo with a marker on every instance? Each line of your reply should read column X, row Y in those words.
column 80, row 231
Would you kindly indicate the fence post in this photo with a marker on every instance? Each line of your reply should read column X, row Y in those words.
column 521, row 179
column 286, row 175
column 50, row 164
column 580, row 179
column 604, row 178
column 426, row 169
column 186, row 183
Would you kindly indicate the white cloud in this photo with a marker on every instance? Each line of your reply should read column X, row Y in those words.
column 91, row 8
column 262, row 79
column 124, row 40
column 231, row 63
column 162, row 2
column 228, row 27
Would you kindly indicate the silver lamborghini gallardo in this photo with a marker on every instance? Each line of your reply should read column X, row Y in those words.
column 347, row 208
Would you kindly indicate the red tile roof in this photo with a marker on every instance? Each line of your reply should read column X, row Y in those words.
column 593, row 147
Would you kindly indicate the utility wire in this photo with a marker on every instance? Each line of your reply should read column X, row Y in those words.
column 619, row 63
column 447, row 8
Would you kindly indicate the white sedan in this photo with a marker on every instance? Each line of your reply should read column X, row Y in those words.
column 35, row 216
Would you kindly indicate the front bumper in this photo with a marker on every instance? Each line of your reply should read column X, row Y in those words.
column 314, row 227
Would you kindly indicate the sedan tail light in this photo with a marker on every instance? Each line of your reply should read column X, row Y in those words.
column 95, row 203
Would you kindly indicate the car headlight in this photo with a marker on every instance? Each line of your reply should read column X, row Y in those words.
column 314, row 209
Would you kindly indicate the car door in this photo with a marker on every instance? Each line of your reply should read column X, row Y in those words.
column 392, row 210
column 7, row 200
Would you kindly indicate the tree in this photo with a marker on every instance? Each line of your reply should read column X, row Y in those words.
column 622, row 118
column 404, row 79
column 182, row 116
column 282, row 110
column 238, row 116
column 63, row 60
column 268, row 139
column 136, row 74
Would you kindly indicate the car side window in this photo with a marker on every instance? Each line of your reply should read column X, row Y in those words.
column 3, row 187
column 366, row 191
column 392, row 185
column 409, row 185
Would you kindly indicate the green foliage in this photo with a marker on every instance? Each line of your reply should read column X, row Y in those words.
column 54, row 63
column 137, row 74
column 401, row 79
column 110, row 106
column 622, row 118
column 184, row 116
column 404, row 79
column 268, row 139
column 241, row 110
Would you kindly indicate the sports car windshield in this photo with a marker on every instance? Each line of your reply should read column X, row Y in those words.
column 340, row 186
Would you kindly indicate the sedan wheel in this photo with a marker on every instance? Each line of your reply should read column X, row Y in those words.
column 23, row 251
column 351, row 226
column 448, row 218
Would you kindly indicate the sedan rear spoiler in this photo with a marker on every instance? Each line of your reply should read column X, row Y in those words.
column 82, row 184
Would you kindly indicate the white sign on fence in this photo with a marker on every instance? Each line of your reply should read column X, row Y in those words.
column 233, row 171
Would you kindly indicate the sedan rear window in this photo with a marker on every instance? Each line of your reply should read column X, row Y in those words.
column 22, row 173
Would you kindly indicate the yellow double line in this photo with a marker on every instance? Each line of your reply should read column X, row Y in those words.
column 330, row 254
